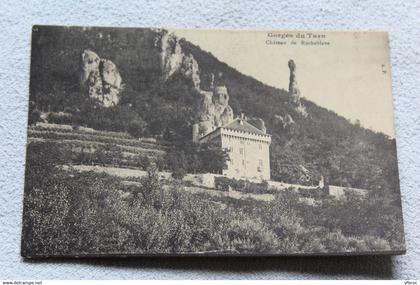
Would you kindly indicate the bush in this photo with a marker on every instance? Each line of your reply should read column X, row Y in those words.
column 245, row 186
column 222, row 183
column 255, row 188
column 92, row 213
column 316, row 193
column 34, row 117
column 60, row 118
column 179, row 173
column 137, row 128
column 196, row 158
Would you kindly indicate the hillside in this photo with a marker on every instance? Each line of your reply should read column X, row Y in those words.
column 162, row 103
column 324, row 142
column 111, row 167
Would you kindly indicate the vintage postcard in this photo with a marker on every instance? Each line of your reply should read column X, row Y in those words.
column 149, row 142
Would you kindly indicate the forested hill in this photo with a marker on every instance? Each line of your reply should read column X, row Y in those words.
column 323, row 142
column 152, row 104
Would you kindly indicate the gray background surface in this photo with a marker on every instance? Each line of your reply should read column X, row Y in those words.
column 400, row 18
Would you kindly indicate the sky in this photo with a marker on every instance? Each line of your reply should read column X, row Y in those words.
column 350, row 75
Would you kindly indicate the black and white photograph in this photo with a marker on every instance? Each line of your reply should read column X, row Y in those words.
column 160, row 142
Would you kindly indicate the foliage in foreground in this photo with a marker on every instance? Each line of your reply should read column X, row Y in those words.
column 90, row 213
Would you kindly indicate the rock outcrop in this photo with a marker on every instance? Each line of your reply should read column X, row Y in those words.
column 221, row 102
column 171, row 55
column 226, row 116
column 293, row 84
column 286, row 120
column 173, row 60
column 101, row 79
column 214, row 104
column 91, row 78
column 213, row 108
column 189, row 69
column 294, row 90
column 205, row 108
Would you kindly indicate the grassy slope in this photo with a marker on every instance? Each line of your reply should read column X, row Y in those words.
column 87, row 213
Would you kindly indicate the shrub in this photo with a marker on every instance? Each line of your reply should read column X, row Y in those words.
column 60, row 118
column 255, row 188
column 193, row 158
column 179, row 173
column 34, row 117
column 223, row 183
column 250, row 235
column 137, row 128
column 316, row 193
column 91, row 213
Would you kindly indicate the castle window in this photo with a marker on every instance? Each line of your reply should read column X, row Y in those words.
column 241, row 151
column 243, row 162
column 260, row 162
column 260, row 146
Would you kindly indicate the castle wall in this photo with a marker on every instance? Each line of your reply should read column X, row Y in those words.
column 340, row 192
column 249, row 154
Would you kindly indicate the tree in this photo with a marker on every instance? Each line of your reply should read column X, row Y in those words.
column 34, row 117
column 179, row 173
column 137, row 128
column 41, row 159
column 213, row 158
column 152, row 188
column 175, row 159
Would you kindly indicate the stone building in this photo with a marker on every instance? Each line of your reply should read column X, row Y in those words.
column 248, row 147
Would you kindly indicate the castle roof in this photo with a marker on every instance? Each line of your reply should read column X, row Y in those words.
column 239, row 124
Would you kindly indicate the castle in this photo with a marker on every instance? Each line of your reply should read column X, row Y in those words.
column 247, row 142
column 248, row 147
